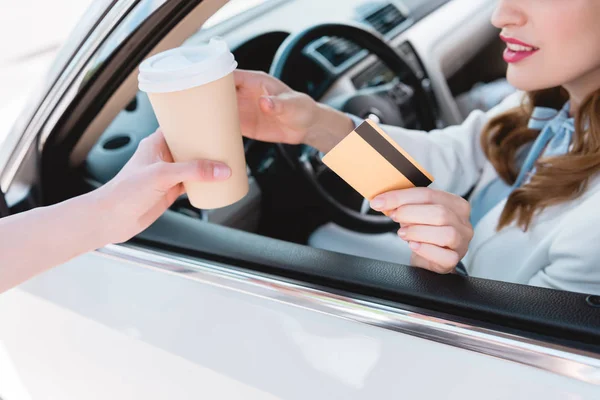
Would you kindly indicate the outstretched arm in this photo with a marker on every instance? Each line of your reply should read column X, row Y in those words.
column 37, row 240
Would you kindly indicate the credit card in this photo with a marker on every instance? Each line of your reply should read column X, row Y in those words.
column 372, row 163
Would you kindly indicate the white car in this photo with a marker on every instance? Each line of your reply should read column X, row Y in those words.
column 252, row 301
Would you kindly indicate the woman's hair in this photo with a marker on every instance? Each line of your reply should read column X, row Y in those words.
column 557, row 179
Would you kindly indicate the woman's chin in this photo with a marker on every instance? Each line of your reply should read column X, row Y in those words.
column 525, row 80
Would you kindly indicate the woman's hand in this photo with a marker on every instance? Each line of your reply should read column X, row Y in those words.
column 434, row 223
column 147, row 186
column 270, row 111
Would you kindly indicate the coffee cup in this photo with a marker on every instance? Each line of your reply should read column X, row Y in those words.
column 193, row 94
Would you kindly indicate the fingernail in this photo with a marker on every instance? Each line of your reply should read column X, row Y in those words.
column 414, row 245
column 402, row 233
column 376, row 204
column 221, row 171
column 270, row 103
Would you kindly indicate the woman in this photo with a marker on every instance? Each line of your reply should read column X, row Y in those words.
column 534, row 166
column 34, row 241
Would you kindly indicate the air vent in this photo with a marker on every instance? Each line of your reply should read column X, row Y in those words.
column 385, row 19
column 337, row 50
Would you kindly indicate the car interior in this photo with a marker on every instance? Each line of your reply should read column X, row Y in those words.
column 419, row 64
column 289, row 183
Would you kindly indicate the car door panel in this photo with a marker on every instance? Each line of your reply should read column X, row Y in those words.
column 117, row 328
column 528, row 310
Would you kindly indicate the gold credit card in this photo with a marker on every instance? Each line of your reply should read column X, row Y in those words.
column 372, row 163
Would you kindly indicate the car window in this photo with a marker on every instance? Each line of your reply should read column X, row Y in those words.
column 282, row 204
column 132, row 21
column 32, row 41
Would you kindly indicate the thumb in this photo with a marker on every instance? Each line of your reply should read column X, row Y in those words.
column 166, row 175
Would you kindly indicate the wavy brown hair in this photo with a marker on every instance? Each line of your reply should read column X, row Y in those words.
column 557, row 179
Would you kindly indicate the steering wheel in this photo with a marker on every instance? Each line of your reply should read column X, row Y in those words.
column 385, row 103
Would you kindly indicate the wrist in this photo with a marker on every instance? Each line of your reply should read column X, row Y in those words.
column 92, row 212
column 330, row 127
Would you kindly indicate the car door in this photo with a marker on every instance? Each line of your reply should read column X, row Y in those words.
column 196, row 310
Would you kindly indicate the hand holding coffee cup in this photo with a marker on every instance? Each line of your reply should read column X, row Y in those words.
column 193, row 95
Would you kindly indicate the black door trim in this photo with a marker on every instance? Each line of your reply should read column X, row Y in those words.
column 551, row 315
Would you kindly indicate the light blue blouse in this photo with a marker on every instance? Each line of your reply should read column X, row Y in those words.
column 557, row 130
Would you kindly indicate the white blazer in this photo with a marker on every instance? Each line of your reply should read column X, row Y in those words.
column 560, row 250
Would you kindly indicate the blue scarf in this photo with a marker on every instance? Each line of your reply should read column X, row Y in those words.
column 557, row 130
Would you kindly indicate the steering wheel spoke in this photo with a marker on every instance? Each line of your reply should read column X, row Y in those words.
column 365, row 207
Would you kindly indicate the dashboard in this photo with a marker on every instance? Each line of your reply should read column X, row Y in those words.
column 435, row 38
column 441, row 35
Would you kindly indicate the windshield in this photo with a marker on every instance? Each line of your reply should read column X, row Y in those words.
column 230, row 10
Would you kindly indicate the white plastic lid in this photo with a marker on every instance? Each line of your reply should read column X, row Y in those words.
column 185, row 67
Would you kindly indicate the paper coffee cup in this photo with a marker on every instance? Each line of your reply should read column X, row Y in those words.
column 193, row 95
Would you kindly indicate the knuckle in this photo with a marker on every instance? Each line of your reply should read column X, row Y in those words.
column 445, row 270
column 453, row 259
column 148, row 144
column 438, row 269
column 445, row 265
column 453, row 238
column 394, row 199
column 155, row 175
column 470, row 232
column 164, row 155
column 409, row 233
column 159, row 169
column 145, row 142
column 398, row 215
column 428, row 195
column 442, row 215
column 303, row 96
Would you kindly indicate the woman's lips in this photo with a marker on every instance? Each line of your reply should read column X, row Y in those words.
column 517, row 50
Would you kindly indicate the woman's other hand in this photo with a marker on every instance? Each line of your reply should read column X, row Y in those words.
column 270, row 111
column 434, row 223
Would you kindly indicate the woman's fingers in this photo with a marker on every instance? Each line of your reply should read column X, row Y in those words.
column 426, row 214
column 398, row 198
column 259, row 82
column 443, row 236
column 442, row 260
column 434, row 223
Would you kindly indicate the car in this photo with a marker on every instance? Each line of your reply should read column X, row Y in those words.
column 254, row 300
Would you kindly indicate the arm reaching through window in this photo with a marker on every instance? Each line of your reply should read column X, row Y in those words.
column 34, row 241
